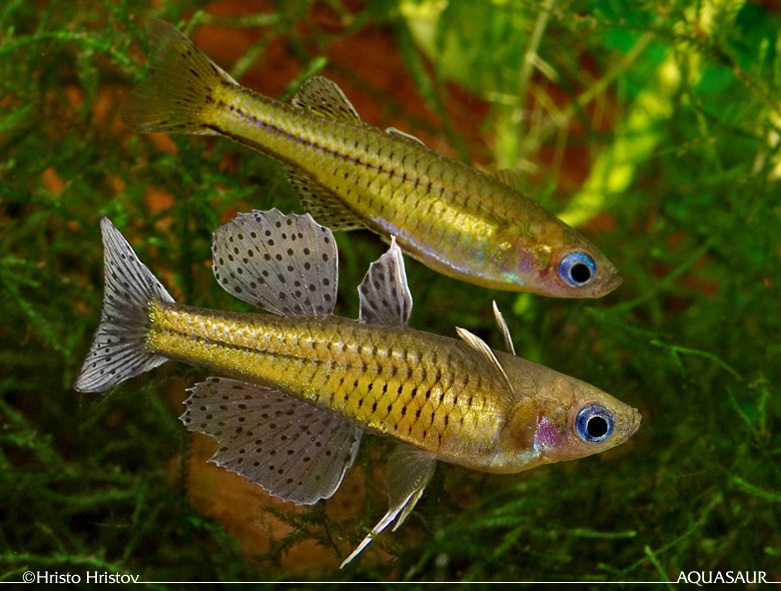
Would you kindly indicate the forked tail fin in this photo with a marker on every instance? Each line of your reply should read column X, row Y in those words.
column 181, row 89
column 118, row 349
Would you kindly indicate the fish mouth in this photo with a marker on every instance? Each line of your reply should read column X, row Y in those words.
column 637, row 418
column 613, row 282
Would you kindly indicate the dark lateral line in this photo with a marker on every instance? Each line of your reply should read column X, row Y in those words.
column 391, row 171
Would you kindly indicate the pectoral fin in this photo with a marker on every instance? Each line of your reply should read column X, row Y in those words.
column 294, row 450
column 285, row 264
column 409, row 471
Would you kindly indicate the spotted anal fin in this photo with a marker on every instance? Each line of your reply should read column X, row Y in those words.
column 409, row 471
column 482, row 348
column 384, row 294
column 324, row 205
column 292, row 449
column 323, row 97
column 285, row 264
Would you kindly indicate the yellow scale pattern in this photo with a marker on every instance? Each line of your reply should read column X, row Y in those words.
column 418, row 387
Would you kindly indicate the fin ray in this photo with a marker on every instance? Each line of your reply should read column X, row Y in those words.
column 406, row 136
column 508, row 340
column 509, row 178
column 485, row 351
column 409, row 471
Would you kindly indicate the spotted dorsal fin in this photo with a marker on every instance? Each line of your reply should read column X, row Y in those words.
column 485, row 351
column 321, row 96
column 384, row 293
column 285, row 264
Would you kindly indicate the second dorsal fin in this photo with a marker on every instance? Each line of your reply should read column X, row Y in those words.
column 384, row 293
column 323, row 97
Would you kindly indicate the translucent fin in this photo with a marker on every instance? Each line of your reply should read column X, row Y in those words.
column 384, row 293
column 508, row 340
column 324, row 206
column 409, row 471
column 483, row 349
column 118, row 349
column 509, row 178
column 285, row 264
column 294, row 450
column 406, row 136
column 323, row 97
column 180, row 88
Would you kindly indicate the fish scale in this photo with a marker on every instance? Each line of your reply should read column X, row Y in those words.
column 450, row 216
column 379, row 383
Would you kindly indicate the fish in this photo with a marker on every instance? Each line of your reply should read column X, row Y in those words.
column 297, row 387
column 349, row 175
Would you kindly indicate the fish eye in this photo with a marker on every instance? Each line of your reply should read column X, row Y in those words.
column 577, row 269
column 594, row 424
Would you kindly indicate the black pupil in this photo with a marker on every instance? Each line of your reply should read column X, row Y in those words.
column 596, row 427
column 580, row 273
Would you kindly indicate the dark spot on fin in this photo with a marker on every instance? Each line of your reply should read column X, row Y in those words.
column 285, row 264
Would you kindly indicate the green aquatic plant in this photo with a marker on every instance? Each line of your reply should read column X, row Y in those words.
column 653, row 127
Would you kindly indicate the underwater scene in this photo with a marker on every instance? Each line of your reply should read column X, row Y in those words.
column 424, row 291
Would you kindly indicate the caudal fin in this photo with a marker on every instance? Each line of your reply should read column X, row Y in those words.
column 180, row 90
column 118, row 350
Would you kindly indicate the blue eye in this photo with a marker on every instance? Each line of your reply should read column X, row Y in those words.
column 594, row 424
column 577, row 269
